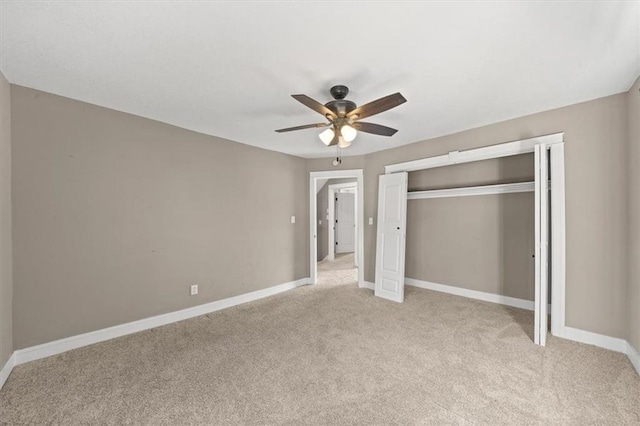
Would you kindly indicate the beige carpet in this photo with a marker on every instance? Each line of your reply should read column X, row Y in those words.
column 331, row 354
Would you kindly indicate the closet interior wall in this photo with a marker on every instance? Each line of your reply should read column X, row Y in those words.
column 484, row 243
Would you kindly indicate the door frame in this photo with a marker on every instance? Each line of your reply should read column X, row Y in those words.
column 542, row 228
column 332, row 217
column 313, row 219
column 554, row 143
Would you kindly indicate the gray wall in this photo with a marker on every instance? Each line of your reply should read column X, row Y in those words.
column 6, row 276
column 518, row 168
column 322, row 200
column 482, row 243
column 633, row 99
column 117, row 215
column 595, row 135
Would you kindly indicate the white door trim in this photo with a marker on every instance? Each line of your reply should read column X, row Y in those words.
column 558, row 243
column 469, row 191
column 344, row 185
column 331, row 232
column 485, row 153
column 541, row 245
column 313, row 219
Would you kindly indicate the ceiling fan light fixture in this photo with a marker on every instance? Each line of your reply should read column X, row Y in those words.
column 344, row 116
column 343, row 143
column 348, row 133
column 327, row 136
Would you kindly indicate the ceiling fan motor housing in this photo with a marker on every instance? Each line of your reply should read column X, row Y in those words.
column 340, row 106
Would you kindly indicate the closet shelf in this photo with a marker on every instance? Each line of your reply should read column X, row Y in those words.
column 504, row 188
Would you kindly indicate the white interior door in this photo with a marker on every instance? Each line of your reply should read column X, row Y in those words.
column 542, row 245
column 345, row 222
column 390, row 244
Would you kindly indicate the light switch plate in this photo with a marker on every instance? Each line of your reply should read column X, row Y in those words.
column 320, row 222
column 293, row 219
column 370, row 221
column 194, row 289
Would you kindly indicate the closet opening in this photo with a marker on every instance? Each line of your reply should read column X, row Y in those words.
column 486, row 223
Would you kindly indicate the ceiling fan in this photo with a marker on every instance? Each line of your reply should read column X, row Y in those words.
column 343, row 116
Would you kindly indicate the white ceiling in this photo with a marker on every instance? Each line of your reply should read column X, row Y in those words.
column 227, row 69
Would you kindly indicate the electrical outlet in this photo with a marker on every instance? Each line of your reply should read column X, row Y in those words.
column 293, row 219
column 194, row 289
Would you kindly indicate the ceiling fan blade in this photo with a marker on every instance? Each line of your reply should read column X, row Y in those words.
column 306, row 126
column 375, row 129
column 315, row 105
column 378, row 106
column 335, row 140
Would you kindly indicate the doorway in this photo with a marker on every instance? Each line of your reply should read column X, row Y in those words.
column 342, row 207
column 336, row 232
column 345, row 222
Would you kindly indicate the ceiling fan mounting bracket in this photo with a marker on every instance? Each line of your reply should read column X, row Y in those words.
column 339, row 91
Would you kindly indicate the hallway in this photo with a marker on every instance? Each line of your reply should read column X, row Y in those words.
column 340, row 271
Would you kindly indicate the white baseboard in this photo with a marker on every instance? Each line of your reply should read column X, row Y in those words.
column 58, row 346
column 634, row 356
column 607, row 342
column 471, row 294
column 6, row 369
column 366, row 284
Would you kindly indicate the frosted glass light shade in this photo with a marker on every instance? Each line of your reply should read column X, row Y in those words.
column 348, row 133
column 343, row 143
column 327, row 136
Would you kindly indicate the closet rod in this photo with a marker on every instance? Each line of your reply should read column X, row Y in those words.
column 504, row 188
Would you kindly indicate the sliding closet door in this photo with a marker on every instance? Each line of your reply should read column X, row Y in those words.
column 542, row 245
column 390, row 243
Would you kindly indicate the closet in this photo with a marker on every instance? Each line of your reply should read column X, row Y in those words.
column 547, row 188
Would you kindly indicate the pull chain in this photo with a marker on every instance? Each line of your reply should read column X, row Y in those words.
column 338, row 159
